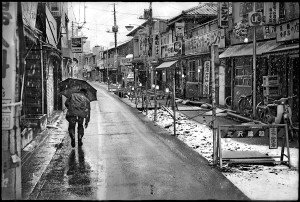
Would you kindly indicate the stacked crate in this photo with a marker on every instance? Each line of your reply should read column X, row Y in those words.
column 271, row 86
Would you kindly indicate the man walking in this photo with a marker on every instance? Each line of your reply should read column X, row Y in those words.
column 78, row 106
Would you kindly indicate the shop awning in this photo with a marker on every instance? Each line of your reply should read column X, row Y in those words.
column 247, row 49
column 285, row 47
column 166, row 64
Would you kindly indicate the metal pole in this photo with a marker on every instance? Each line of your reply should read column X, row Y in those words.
column 115, row 33
column 135, row 86
column 254, row 73
column 174, row 116
column 107, row 69
column 155, row 101
column 214, row 51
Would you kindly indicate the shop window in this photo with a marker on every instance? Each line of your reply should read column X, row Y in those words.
column 243, row 72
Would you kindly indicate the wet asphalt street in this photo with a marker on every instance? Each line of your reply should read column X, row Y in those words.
column 125, row 157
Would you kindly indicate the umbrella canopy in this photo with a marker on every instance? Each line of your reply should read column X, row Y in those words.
column 71, row 85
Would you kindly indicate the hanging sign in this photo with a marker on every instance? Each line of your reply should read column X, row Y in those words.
column 206, row 73
column 9, row 63
column 77, row 44
column 179, row 29
column 223, row 14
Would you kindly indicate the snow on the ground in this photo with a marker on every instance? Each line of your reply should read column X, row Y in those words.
column 258, row 182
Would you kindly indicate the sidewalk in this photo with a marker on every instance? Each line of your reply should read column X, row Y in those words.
column 36, row 156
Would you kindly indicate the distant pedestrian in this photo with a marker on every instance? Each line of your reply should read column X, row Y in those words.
column 78, row 106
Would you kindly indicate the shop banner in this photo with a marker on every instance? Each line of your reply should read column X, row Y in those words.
column 76, row 44
column 223, row 14
column 9, row 62
column 51, row 28
column 201, row 44
column 206, row 74
column 288, row 31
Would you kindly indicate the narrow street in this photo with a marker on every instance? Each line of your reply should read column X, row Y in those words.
column 125, row 157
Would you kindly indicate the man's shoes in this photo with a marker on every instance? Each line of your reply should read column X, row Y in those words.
column 73, row 142
column 80, row 142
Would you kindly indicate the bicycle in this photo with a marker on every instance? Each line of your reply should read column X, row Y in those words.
column 245, row 105
column 228, row 102
column 282, row 114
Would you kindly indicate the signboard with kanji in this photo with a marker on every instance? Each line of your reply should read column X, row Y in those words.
column 287, row 31
column 206, row 73
column 270, row 131
column 223, row 14
column 251, row 131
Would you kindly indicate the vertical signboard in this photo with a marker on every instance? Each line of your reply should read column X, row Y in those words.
column 223, row 14
column 179, row 29
column 77, row 44
column 9, row 27
column 271, row 13
column 206, row 73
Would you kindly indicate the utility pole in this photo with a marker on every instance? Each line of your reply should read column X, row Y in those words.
column 254, row 74
column 115, row 30
column 148, row 54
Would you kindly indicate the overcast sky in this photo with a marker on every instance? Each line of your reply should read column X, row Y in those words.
column 99, row 17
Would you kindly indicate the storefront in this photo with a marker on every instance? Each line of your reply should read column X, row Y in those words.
column 284, row 62
column 198, row 60
column 240, row 59
column 165, row 74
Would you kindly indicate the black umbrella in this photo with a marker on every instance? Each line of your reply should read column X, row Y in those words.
column 71, row 85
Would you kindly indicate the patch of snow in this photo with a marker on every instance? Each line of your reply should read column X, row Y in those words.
column 258, row 182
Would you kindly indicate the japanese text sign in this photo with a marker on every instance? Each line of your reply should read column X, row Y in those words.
column 206, row 79
column 223, row 14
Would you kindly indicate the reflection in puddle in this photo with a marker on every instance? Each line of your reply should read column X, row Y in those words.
column 79, row 173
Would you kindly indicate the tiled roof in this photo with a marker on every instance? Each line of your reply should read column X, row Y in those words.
column 202, row 10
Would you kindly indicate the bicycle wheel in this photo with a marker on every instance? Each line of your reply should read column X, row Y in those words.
column 245, row 107
column 228, row 102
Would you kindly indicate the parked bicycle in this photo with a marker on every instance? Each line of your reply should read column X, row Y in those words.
column 245, row 105
column 278, row 112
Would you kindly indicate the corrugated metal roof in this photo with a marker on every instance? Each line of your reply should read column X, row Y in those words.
column 247, row 49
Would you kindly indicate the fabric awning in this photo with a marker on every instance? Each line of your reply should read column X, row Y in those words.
column 247, row 49
column 166, row 64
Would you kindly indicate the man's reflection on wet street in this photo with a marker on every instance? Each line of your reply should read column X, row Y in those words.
column 79, row 173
